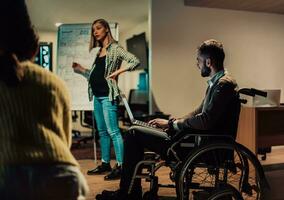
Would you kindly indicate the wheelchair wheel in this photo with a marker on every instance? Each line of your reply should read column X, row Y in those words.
column 209, row 167
column 226, row 193
column 150, row 196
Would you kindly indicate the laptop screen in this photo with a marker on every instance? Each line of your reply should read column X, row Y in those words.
column 124, row 100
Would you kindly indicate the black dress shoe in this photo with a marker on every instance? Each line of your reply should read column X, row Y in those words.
column 101, row 169
column 118, row 195
column 114, row 174
column 111, row 195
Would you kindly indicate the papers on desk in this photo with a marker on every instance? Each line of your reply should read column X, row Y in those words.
column 272, row 99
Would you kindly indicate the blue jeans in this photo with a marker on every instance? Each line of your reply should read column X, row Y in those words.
column 106, row 117
column 42, row 181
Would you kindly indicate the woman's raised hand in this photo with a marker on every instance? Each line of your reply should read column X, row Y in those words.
column 78, row 68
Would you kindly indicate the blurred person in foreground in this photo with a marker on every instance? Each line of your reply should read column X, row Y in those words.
column 35, row 119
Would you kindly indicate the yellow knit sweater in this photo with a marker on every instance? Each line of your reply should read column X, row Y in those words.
column 35, row 125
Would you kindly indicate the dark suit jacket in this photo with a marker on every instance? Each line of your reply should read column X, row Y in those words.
column 218, row 112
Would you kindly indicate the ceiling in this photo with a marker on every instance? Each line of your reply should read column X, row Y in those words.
column 269, row 6
column 128, row 13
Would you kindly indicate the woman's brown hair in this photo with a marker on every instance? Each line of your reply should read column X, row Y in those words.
column 18, row 40
column 93, row 41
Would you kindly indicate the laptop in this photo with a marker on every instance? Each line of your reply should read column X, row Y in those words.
column 272, row 99
column 145, row 127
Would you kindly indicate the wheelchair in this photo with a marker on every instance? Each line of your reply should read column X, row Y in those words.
column 221, row 169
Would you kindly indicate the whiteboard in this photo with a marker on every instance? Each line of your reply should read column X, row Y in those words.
column 73, row 46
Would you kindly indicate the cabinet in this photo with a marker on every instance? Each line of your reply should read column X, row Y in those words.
column 261, row 127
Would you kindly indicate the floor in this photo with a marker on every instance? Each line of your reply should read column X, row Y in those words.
column 96, row 183
column 274, row 171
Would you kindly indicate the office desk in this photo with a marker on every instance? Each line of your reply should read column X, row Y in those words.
column 261, row 127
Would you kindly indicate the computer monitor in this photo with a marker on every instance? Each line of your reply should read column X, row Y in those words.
column 137, row 45
column 44, row 55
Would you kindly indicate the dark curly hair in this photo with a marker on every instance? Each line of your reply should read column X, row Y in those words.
column 18, row 40
column 214, row 50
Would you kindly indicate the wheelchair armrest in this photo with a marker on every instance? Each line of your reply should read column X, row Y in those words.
column 187, row 144
column 187, row 136
column 184, row 141
column 197, row 136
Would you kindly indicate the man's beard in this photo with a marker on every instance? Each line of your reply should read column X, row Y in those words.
column 205, row 71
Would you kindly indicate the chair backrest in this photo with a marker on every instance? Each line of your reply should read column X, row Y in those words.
column 86, row 119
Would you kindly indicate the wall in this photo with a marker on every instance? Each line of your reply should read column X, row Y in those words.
column 253, row 42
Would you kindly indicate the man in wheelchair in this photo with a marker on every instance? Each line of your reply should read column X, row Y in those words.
column 218, row 113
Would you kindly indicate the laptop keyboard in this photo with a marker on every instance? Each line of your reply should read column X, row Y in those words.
column 141, row 123
column 149, row 129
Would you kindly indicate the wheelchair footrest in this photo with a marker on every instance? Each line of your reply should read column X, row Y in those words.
column 145, row 176
column 167, row 185
column 194, row 185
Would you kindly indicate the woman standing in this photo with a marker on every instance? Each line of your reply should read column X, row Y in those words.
column 102, row 80
column 35, row 118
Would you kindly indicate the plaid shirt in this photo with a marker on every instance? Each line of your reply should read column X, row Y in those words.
column 114, row 56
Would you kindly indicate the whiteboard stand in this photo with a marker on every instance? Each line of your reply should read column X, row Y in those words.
column 94, row 140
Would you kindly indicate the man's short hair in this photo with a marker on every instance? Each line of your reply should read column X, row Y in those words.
column 214, row 50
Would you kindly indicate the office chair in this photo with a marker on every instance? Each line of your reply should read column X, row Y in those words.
column 87, row 121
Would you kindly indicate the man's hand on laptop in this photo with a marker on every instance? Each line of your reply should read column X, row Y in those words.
column 160, row 123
